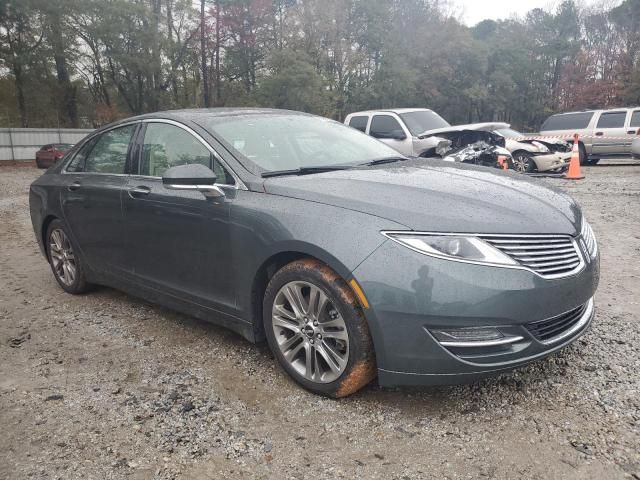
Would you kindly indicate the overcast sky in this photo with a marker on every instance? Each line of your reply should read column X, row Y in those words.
column 474, row 11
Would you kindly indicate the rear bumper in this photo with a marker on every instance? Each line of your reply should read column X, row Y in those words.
column 411, row 295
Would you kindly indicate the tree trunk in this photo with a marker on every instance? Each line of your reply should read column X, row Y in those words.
column 68, row 98
column 218, row 85
column 203, row 54
column 17, row 73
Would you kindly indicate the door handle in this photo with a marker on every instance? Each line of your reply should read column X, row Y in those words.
column 139, row 191
column 631, row 132
column 599, row 134
column 74, row 186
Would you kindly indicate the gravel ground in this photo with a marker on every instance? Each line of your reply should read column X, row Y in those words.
column 107, row 386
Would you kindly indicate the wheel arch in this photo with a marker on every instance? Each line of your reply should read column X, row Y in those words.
column 271, row 265
column 43, row 232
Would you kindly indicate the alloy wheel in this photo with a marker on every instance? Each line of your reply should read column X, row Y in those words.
column 520, row 163
column 63, row 259
column 310, row 332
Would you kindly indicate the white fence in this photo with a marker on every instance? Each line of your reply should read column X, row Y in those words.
column 23, row 143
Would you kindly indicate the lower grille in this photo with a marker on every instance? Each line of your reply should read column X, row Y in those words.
column 550, row 256
column 550, row 329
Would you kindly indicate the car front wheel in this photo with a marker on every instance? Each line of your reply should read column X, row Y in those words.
column 316, row 329
column 523, row 163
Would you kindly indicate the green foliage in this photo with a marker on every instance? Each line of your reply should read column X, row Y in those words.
column 88, row 62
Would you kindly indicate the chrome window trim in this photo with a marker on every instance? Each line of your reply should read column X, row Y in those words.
column 239, row 183
column 483, row 343
column 89, row 137
column 389, row 234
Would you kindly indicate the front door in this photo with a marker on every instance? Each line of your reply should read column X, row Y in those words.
column 178, row 241
column 388, row 129
column 91, row 198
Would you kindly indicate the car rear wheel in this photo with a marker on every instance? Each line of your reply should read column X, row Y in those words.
column 316, row 329
column 65, row 262
column 523, row 163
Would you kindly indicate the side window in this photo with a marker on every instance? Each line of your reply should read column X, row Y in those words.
column 359, row 123
column 384, row 126
column 109, row 154
column 612, row 120
column 568, row 121
column 167, row 146
column 635, row 119
column 77, row 164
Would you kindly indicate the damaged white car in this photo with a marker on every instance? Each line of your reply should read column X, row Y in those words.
column 535, row 155
column 420, row 132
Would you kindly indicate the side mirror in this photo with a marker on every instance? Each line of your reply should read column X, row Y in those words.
column 194, row 177
column 398, row 135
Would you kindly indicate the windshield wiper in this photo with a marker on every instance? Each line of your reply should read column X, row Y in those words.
column 304, row 171
column 382, row 161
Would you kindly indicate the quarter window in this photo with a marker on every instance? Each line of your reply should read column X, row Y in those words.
column 359, row 123
column 384, row 126
column 612, row 120
column 167, row 146
column 635, row 119
column 107, row 153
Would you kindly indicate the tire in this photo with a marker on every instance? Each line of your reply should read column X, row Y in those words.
column 523, row 163
column 66, row 264
column 583, row 155
column 306, row 339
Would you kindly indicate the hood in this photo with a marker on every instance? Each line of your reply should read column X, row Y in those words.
column 437, row 196
column 533, row 145
column 489, row 126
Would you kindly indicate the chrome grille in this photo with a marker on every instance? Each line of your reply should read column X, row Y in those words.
column 552, row 329
column 550, row 256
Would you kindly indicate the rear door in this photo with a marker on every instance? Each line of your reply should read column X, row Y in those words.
column 610, row 135
column 178, row 241
column 91, row 198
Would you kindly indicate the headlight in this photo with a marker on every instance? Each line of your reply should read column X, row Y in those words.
column 542, row 148
column 461, row 248
column 589, row 238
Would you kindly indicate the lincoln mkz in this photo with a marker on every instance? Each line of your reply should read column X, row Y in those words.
column 349, row 259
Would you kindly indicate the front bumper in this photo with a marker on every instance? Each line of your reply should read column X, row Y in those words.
column 411, row 294
column 552, row 161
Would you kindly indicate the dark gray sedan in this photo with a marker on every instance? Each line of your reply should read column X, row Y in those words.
column 349, row 260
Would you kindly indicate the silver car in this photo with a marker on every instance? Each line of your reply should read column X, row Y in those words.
column 603, row 133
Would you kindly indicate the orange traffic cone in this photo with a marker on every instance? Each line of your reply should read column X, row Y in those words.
column 574, row 165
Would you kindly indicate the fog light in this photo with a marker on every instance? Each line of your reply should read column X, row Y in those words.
column 473, row 337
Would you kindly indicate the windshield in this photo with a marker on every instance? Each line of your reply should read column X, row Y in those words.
column 422, row 120
column 510, row 133
column 276, row 142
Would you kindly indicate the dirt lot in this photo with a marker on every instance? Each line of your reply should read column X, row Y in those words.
column 106, row 386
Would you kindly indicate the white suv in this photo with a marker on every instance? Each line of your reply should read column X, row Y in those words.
column 603, row 133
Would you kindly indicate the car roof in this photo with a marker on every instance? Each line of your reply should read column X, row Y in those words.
column 193, row 114
column 391, row 110
column 595, row 110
